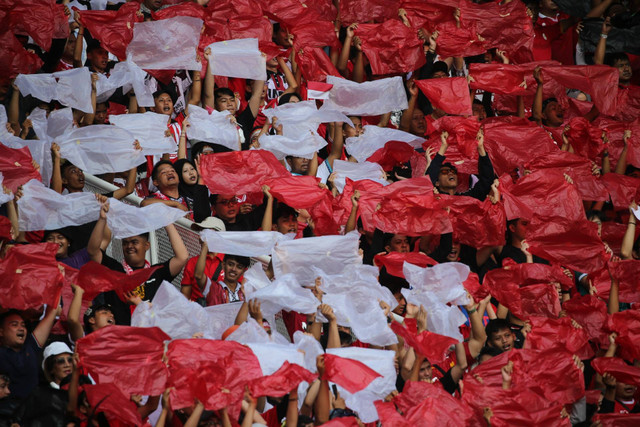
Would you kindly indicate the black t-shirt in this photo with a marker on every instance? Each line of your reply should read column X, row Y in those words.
column 247, row 222
column 516, row 254
column 246, row 120
column 147, row 291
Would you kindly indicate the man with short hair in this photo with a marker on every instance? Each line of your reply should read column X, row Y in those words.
column 228, row 289
column 500, row 335
column 228, row 209
column 165, row 178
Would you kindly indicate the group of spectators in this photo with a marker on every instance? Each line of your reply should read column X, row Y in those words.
column 424, row 214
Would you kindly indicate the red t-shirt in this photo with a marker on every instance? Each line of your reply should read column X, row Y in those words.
column 188, row 278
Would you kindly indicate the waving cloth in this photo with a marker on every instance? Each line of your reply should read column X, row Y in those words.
column 17, row 167
column 585, row 138
column 528, row 274
column 305, row 145
column 15, row 59
column 271, row 355
column 462, row 132
column 44, row 209
column 280, row 382
column 547, row 333
column 245, row 243
column 214, row 126
column 350, row 374
column 240, row 172
column 40, row 86
column 617, row 367
column 43, row 20
column 627, row 325
column 300, row 117
column 381, row 362
column 71, row 87
column 286, row 293
column 432, row 346
column 398, row 154
column 355, row 11
column 391, row 47
column 130, row 358
column 315, row 65
column 95, row 278
column 150, row 129
column 622, row 189
column 449, row 94
column 591, row 313
column 126, row 220
column 368, row 98
column 374, row 138
column 527, row 301
column 332, row 254
column 504, row 79
column 109, row 399
column 30, row 277
column 4, row 197
column 114, row 29
column 475, row 223
column 394, row 261
column 238, row 58
column 357, row 172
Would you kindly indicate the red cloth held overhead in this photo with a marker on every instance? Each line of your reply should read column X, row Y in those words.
column 342, row 422
column 30, row 277
column 627, row 325
column 448, row 94
column 315, row 64
column 316, row 34
column 618, row 420
column 17, row 168
column 462, row 41
column 14, row 58
column 394, row 153
column 618, row 368
column 462, row 132
column 95, row 278
column 475, row 289
column 623, row 189
column 524, row 302
column 109, row 399
column 391, row 47
column 585, row 138
column 498, row 78
column 192, row 9
column 393, row 261
column 129, row 357
column 547, row 333
column 528, row 274
column 282, row 381
column 350, row 374
column 360, row 11
column 40, row 19
column 292, row 12
column 413, row 215
column 5, row 228
column 591, row 313
column 389, row 415
column 627, row 273
column 433, row 346
column 475, row 223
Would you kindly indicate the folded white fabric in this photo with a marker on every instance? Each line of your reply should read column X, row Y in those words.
column 59, row 122
column 238, row 58
column 40, row 86
column 150, row 129
column 4, row 197
column 245, row 243
column 368, row 98
column 255, row 278
column 74, row 89
column 381, row 361
column 215, row 127
column 127, row 220
column 169, row 44
column 272, row 356
column 100, row 149
column 221, row 317
column 285, row 293
column 300, row 116
column 356, row 172
column 40, row 148
column 305, row 145
column 125, row 74
column 310, row 347
column 374, row 138
column 331, row 254
column 44, row 209
column 444, row 280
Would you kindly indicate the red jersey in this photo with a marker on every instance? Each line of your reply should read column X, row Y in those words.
column 188, row 278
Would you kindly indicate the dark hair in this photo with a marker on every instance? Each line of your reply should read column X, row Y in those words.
column 546, row 103
column 11, row 312
column 283, row 210
column 93, row 45
column 286, row 98
column 244, row 260
column 595, row 214
column 179, row 165
column 513, row 222
column 612, row 58
column 64, row 231
column 162, row 91
column 66, row 165
column 496, row 325
column 222, row 91
column 154, row 171
column 198, row 147
column 449, row 165
column 394, row 283
column 489, row 351
column 439, row 66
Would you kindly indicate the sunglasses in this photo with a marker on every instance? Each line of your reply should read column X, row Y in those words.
column 63, row 360
column 447, row 171
column 230, row 202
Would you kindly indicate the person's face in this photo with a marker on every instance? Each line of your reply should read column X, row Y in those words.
column 298, row 165
column 553, row 115
column 70, row 45
column 61, row 241
column 285, row 225
column 4, row 389
column 99, row 58
column 448, row 178
column 418, row 124
column 519, row 229
column 102, row 318
column 163, row 104
column 356, row 130
column 455, row 252
column 597, row 222
column 439, row 75
column 73, row 179
column 62, row 366
column 189, row 174
column 398, row 243
column 624, row 70
column 281, row 37
column 625, row 391
column 202, row 2
column 548, row 5
column 227, row 207
column 295, row 100
column 401, row 309
column 426, row 372
column 101, row 114
column 272, row 63
column 232, row 270
column 226, row 103
column 153, row 4
column 134, row 249
column 479, row 111
column 166, row 177
column 503, row 340
column 13, row 331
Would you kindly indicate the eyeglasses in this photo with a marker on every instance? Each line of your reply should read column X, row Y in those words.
column 447, row 171
column 230, row 202
column 63, row 360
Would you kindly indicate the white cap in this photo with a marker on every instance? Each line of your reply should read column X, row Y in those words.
column 54, row 349
column 212, row 223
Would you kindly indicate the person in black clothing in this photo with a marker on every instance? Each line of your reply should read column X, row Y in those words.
column 134, row 249
column 229, row 210
column 195, row 195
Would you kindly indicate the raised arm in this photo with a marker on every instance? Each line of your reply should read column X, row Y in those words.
column 407, row 115
column 341, row 66
column 621, row 166
column 198, row 274
column 76, row 331
column 537, row 100
column 41, row 332
column 93, row 247
column 626, row 250
column 209, row 81
column 352, row 221
column 292, row 83
column 89, row 117
column 601, row 48
column 129, row 185
column 336, row 145
column 181, row 254
column 77, row 49
column 256, row 96
column 267, row 218
column 195, row 92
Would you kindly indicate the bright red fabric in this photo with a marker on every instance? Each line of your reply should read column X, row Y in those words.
column 498, row 78
column 316, row 34
column 462, row 132
column 393, row 261
column 40, row 19
column 14, row 58
column 475, row 223
column 449, row 94
column 129, row 357
column 282, row 381
column 109, row 399
column 360, row 11
column 315, row 64
column 547, row 333
column 5, row 228
column 527, row 274
column 618, row 368
column 433, row 346
column 591, row 313
column 627, row 325
column 618, row 420
column 350, row 374
column 17, row 168
column 394, row 153
column 627, row 273
column 389, row 415
column 623, row 189
column 95, row 278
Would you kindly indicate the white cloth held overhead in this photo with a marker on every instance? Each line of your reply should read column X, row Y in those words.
column 356, row 172
column 239, row 58
column 169, row 44
column 305, row 145
column 215, row 127
column 285, row 293
column 126, row 220
column 297, row 117
column 150, row 129
column 71, row 87
column 245, row 243
column 59, row 122
column 221, row 317
column 374, row 138
column 272, row 356
column 255, row 278
column 368, row 98
column 39, row 86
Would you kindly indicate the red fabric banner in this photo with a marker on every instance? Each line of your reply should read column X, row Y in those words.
column 448, row 94
column 433, row 346
column 393, row 261
column 282, row 381
column 109, row 399
column 17, row 168
column 618, row 368
column 95, row 278
column 350, row 374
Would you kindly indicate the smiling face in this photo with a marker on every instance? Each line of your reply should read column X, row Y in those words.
column 13, row 332
column 226, row 102
column 134, row 249
column 189, row 174
column 62, row 242
column 426, row 371
column 455, row 252
column 503, row 339
column 163, row 104
column 232, row 271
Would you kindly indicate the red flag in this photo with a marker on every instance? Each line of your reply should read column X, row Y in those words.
column 623, row 189
column 130, row 358
column 462, row 132
column 585, row 138
column 16, row 165
column 413, row 404
column 413, row 215
column 14, row 58
column 315, row 64
column 627, row 273
column 528, row 274
column 627, row 325
column 394, row 153
column 31, row 277
column 240, row 172
column 464, row 164
column 360, row 11
column 217, row 384
column 314, row 34
column 393, row 261
column 618, row 368
column 455, row 41
column 527, row 301
column 591, row 313
column 109, row 399
column 498, row 78
column 95, row 278
column 40, row 19
column 350, row 374
column 282, row 381
column 391, row 47
column 475, row 223
column 449, row 94
column 389, row 415
column 433, row 346
column 547, row 333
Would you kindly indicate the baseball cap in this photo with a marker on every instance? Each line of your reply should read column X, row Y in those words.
column 211, row 223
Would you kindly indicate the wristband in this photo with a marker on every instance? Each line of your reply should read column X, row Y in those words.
column 605, row 154
column 603, row 36
column 632, row 223
column 473, row 310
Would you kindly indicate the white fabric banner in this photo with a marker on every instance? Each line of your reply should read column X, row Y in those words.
column 126, row 74
column 150, row 129
column 216, row 127
column 59, row 122
column 74, row 89
column 44, row 209
column 127, row 220
column 368, row 98
column 331, row 254
column 300, row 116
column 40, row 86
column 100, row 149
column 356, row 172
column 255, row 278
column 272, row 356
column 305, row 145
column 374, row 138
column 285, row 293
column 245, row 243
column 238, row 58
column 169, row 44
column 221, row 317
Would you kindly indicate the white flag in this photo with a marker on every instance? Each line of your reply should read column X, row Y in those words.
column 150, row 129
column 357, row 172
column 368, row 98
column 374, row 138
column 238, row 58
column 215, row 127
column 245, row 243
column 127, row 220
